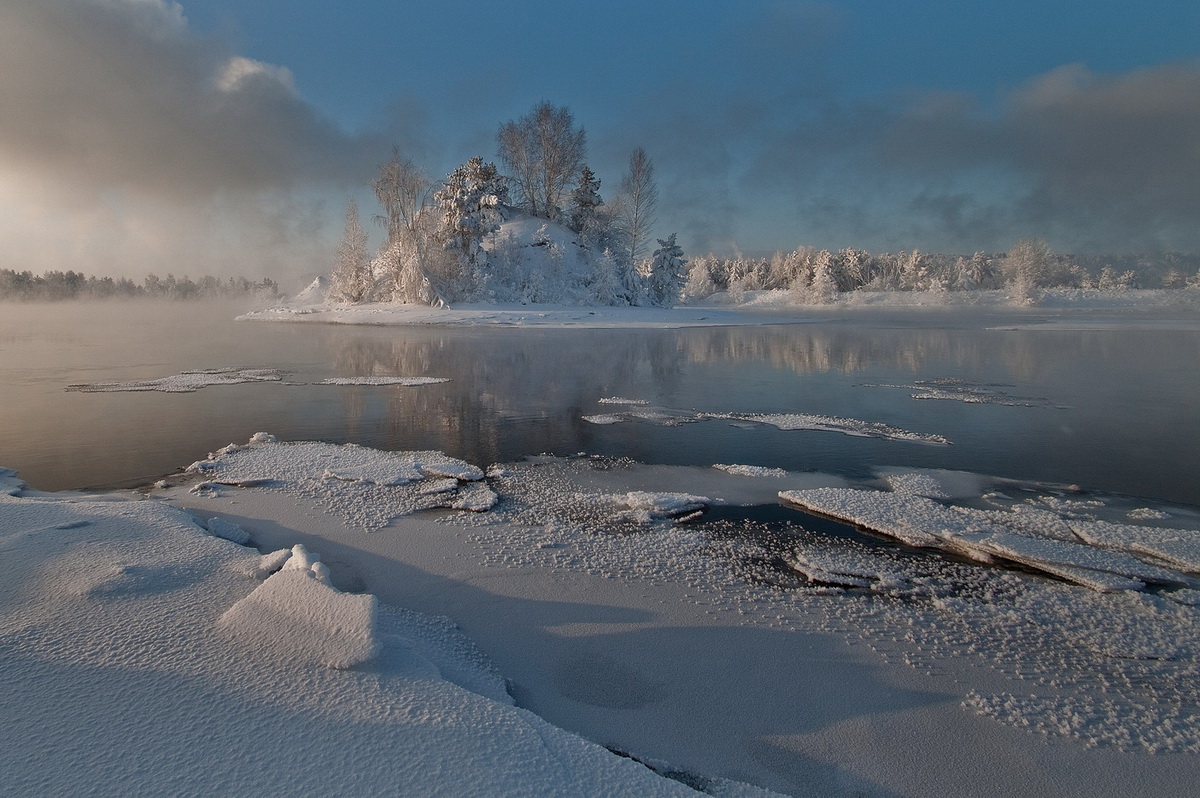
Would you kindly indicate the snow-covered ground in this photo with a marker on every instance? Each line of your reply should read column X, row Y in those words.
column 1059, row 306
column 270, row 621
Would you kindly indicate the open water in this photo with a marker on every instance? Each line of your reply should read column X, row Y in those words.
column 1111, row 409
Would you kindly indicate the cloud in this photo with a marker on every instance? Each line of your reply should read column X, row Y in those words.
column 116, row 113
column 1092, row 162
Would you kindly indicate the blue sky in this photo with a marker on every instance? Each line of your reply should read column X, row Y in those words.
column 226, row 135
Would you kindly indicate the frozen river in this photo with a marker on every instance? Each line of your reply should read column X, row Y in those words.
column 1111, row 408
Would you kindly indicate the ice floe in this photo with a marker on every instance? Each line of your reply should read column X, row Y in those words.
column 784, row 421
column 366, row 486
column 189, row 381
column 406, row 381
column 1092, row 553
column 185, row 382
column 954, row 389
column 750, row 470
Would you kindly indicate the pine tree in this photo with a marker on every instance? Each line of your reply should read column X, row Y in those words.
column 583, row 207
column 668, row 272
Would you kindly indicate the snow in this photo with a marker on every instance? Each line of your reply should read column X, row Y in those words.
column 802, row 659
column 299, row 615
column 139, row 658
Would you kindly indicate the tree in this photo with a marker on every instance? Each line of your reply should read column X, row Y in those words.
column 411, row 248
column 543, row 151
column 351, row 280
column 584, row 205
column 1026, row 267
column 668, row 272
column 469, row 201
column 640, row 198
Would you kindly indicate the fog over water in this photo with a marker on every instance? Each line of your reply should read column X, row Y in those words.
column 1113, row 409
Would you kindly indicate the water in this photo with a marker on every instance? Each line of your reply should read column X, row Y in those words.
column 1120, row 410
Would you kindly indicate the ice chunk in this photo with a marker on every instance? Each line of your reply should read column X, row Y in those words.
column 297, row 615
column 1179, row 548
column 843, row 568
column 911, row 519
column 916, row 483
column 617, row 400
column 229, row 531
column 750, row 470
column 1147, row 514
column 476, row 497
column 662, row 505
column 10, row 484
column 603, row 419
column 846, row 426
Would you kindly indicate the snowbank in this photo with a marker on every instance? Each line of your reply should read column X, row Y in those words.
column 142, row 656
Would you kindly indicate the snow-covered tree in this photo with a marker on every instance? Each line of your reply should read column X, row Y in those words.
column 543, row 151
column 640, row 199
column 412, row 253
column 469, row 203
column 351, row 280
column 700, row 282
column 583, row 208
column 1026, row 267
column 668, row 271
column 823, row 288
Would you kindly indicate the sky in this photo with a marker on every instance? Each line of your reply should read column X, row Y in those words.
column 226, row 136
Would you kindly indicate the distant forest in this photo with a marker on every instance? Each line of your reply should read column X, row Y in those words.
column 53, row 286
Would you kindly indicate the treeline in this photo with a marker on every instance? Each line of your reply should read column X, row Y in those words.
column 817, row 276
column 53, row 286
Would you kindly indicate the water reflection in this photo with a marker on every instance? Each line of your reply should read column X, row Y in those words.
column 1129, row 423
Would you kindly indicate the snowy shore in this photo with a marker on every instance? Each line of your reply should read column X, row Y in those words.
column 271, row 622
column 754, row 307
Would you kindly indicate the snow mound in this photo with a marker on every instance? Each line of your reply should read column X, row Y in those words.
column 298, row 615
column 315, row 293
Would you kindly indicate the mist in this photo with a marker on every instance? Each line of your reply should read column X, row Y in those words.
column 129, row 144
